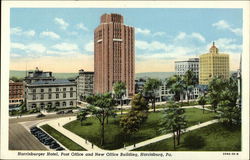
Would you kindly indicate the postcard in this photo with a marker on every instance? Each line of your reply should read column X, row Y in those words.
column 125, row 80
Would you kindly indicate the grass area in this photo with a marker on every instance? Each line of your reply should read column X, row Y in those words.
column 191, row 103
column 68, row 143
column 217, row 138
column 114, row 137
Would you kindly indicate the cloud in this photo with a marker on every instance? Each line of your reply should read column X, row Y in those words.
column 194, row 35
column 181, row 36
column 55, row 63
column 148, row 32
column 152, row 46
column 224, row 25
column 65, row 47
column 159, row 34
column 142, row 31
column 227, row 45
column 61, row 22
column 33, row 47
column 82, row 27
column 89, row 47
column 52, row 35
column 14, row 55
column 18, row 31
column 61, row 53
column 198, row 36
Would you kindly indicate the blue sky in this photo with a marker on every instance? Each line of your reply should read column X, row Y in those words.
column 61, row 40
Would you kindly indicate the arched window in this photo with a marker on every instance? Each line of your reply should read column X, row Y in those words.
column 71, row 103
column 64, row 104
column 57, row 104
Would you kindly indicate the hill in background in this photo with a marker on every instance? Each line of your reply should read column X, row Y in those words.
column 158, row 75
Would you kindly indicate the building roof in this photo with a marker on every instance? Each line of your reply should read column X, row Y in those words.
column 55, row 82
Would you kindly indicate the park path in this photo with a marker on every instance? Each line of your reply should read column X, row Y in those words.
column 163, row 137
column 59, row 122
column 58, row 125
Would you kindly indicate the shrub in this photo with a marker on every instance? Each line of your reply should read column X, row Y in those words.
column 194, row 141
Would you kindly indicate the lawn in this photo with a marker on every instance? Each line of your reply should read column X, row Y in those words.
column 114, row 137
column 68, row 143
column 217, row 138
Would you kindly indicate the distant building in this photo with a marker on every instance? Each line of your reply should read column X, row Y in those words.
column 38, row 75
column 164, row 93
column 139, row 84
column 213, row 64
column 181, row 67
column 16, row 93
column 85, row 84
column 114, row 54
column 50, row 94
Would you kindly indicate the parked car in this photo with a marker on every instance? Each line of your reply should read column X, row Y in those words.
column 40, row 115
column 69, row 111
column 60, row 149
column 54, row 146
column 60, row 112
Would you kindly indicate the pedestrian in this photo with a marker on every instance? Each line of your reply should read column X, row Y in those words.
column 92, row 145
column 86, row 141
column 124, row 146
column 59, row 124
column 134, row 145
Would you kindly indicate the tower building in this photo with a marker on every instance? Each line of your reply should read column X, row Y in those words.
column 114, row 54
column 213, row 64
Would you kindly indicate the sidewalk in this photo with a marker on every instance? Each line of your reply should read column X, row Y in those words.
column 160, row 138
column 59, row 122
column 58, row 125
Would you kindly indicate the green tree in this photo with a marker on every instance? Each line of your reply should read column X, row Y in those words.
column 82, row 115
column 150, row 90
column 100, row 106
column 176, row 85
column 119, row 89
column 132, row 121
column 228, row 110
column 15, row 79
column 189, row 82
column 215, row 88
column 202, row 101
column 174, row 121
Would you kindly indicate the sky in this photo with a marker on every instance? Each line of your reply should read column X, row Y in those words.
column 61, row 39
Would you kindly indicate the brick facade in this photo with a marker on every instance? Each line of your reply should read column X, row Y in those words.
column 114, row 54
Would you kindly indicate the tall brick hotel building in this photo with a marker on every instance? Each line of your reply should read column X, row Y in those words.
column 114, row 54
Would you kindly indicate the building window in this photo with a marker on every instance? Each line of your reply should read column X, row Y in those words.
column 42, row 96
column 49, row 89
column 71, row 89
column 71, row 103
column 64, row 95
column 64, row 89
column 34, row 97
column 49, row 96
column 42, row 90
column 57, row 89
column 71, row 94
column 33, row 105
column 57, row 95
column 57, row 104
column 34, row 90
column 64, row 104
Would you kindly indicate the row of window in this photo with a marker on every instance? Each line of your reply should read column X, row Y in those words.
column 50, row 89
column 50, row 96
column 57, row 104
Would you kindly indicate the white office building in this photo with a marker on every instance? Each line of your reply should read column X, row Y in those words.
column 181, row 67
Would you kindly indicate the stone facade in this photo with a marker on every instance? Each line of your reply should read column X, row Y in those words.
column 54, row 94
column 16, row 93
column 114, row 54
column 181, row 67
column 213, row 64
column 85, row 84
